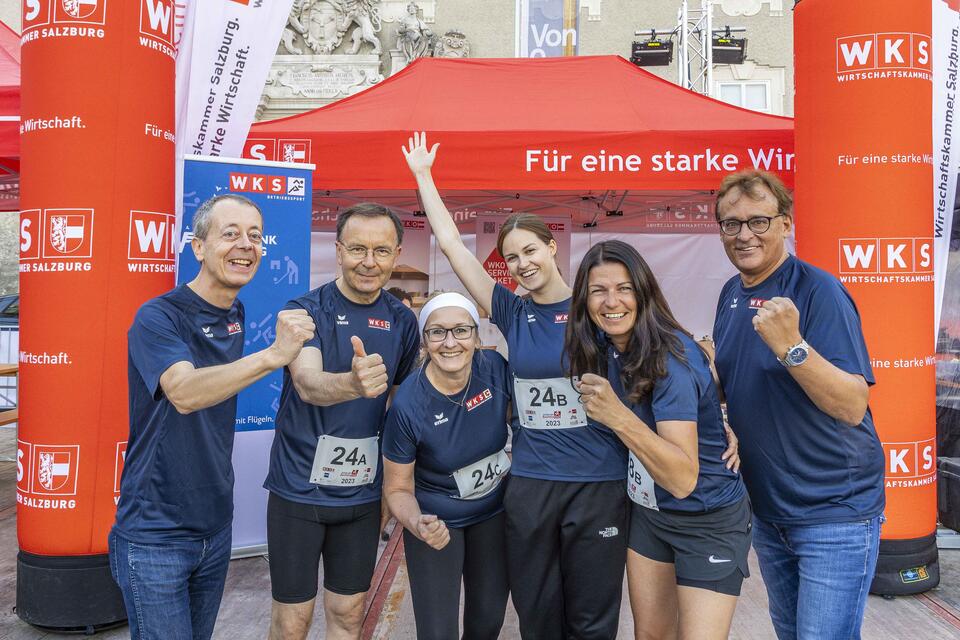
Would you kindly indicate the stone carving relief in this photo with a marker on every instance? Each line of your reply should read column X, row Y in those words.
column 319, row 27
column 452, row 44
column 414, row 38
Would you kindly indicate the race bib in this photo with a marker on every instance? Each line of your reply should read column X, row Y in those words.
column 345, row 462
column 548, row 403
column 640, row 484
column 483, row 476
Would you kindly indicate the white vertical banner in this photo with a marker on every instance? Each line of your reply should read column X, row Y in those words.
column 231, row 48
column 946, row 155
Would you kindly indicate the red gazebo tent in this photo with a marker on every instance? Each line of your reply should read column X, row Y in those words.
column 506, row 124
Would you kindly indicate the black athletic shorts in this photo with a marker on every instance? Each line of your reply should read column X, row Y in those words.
column 709, row 550
column 299, row 535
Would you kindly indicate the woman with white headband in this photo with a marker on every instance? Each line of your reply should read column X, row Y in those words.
column 445, row 471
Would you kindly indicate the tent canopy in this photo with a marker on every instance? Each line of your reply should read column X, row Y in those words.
column 575, row 124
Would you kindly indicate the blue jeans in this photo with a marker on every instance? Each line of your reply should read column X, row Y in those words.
column 171, row 590
column 817, row 576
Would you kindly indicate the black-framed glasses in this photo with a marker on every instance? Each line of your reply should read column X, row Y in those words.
column 439, row 334
column 359, row 252
column 756, row 224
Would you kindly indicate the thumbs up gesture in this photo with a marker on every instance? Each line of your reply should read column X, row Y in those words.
column 369, row 372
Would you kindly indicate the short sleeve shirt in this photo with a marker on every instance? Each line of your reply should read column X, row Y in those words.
column 534, row 334
column 687, row 393
column 800, row 465
column 177, row 481
column 386, row 327
column 442, row 434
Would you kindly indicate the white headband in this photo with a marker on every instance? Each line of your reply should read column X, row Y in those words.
column 447, row 300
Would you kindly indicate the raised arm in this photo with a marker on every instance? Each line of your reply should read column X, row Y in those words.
column 465, row 264
column 190, row 389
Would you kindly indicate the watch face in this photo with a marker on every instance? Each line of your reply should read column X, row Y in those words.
column 797, row 355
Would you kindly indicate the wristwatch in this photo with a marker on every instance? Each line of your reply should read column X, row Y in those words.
column 795, row 355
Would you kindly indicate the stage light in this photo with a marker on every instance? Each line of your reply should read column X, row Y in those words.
column 727, row 50
column 652, row 52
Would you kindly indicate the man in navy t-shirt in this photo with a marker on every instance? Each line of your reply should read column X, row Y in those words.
column 325, row 475
column 793, row 365
column 170, row 546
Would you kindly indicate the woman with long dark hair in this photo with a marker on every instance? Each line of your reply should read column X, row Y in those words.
column 566, row 508
column 645, row 378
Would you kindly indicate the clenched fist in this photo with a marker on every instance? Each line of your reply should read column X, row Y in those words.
column 433, row 531
column 600, row 400
column 778, row 324
column 369, row 372
column 294, row 327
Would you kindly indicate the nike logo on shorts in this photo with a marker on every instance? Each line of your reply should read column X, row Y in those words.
column 715, row 560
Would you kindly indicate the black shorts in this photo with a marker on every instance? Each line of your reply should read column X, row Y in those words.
column 709, row 550
column 299, row 535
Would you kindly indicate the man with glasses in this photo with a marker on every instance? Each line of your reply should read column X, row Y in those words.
column 325, row 475
column 792, row 362
column 170, row 546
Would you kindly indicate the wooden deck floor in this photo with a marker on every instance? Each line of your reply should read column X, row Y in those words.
column 245, row 611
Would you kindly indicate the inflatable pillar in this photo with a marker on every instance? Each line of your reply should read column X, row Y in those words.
column 864, row 212
column 96, row 240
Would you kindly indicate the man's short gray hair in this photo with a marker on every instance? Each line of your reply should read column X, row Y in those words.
column 201, row 218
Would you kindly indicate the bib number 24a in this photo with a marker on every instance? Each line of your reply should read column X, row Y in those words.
column 345, row 462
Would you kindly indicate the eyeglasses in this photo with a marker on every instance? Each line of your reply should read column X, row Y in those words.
column 439, row 334
column 756, row 224
column 359, row 252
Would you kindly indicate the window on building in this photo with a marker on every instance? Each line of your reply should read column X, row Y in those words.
column 750, row 95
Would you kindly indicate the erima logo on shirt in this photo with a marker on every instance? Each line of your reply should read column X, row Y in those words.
column 756, row 303
column 234, row 328
column 609, row 532
column 342, row 319
column 478, row 399
column 531, row 317
column 733, row 305
column 374, row 323
column 207, row 331
column 439, row 419
column 560, row 318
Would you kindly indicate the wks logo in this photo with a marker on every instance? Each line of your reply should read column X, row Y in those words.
column 910, row 460
column 157, row 20
column 886, row 255
column 30, row 222
column 55, row 469
column 67, row 233
column 257, row 183
column 151, row 236
column 859, row 55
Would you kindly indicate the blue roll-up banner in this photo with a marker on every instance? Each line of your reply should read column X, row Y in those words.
column 283, row 191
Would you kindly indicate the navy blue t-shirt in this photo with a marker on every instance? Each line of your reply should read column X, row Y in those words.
column 443, row 434
column 687, row 393
column 386, row 327
column 177, row 479
column 545, row 446
column 800, row 465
